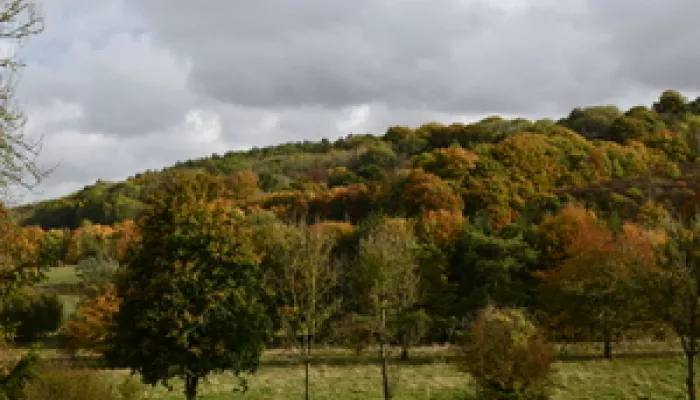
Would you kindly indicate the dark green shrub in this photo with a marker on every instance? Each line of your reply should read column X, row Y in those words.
column 508, row 357
column 32, row 315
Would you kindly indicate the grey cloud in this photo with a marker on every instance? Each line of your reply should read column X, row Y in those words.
column 654, row 41
column 111, row 83
column 451, row 56
column 458, row 56
column 125, row 84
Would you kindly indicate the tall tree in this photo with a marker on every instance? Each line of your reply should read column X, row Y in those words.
column 19, row 19
column 672, row 289
column 190, row 293
column 388, row 259
column 307, row 281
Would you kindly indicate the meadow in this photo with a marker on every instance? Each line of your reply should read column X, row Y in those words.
column 639, row 370
column 430, row 374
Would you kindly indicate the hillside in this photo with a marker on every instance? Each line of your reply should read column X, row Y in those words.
column 498, row 167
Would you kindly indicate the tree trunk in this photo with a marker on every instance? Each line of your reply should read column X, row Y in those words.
column 607, row 345
column 191, row 387
column 404, row 353
column 690, row 350
column 307, row 367
column 382, row 351
column 690, row 379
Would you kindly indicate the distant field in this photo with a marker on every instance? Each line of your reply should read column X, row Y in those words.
column 64, row 282
column 70, row 304
column 60, row 276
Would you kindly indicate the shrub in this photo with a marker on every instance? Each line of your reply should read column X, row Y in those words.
column 69, row 385
column 14, row 381
column 32, row 315
column 507, row 356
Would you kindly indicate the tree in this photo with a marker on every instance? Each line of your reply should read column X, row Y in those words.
column 31, row 315
column 96, row 271
column 490, row 266
column 592, row 122
column 388, row 261
column 19, row 19
column 590, row 288
column 19, row 257
column 672, row 288
column 411, row 327
column 307, row 281
column 190, row 291
column 95, row 320
column 671, row 104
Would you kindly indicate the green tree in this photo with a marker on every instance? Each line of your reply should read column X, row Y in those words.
column 190, row 292
column 592, row 122
column 307, row 281
column 388, row 260
column 490, row 267
column 671, row 105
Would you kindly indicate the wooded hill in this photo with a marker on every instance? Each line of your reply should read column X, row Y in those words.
column 498, row 168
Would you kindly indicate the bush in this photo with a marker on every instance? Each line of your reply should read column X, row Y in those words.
column 508, row 356
column 69, row 385
column 32, row 315
column 14, row 381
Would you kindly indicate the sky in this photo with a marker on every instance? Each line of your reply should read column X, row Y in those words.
column 116, row 87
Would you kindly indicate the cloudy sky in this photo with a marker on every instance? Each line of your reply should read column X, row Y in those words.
column 121, row 86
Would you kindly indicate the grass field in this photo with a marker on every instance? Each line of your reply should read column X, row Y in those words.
column 661, row 378
column 433, row 374
column 643, row 370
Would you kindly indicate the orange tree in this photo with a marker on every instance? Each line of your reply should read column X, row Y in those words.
column 95, row 320
column 190, row 293
column 590, row 286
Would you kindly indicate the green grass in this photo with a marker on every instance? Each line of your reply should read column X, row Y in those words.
column 432, row 374
column 61, row 276
column 340, row 376
column 660, row 379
